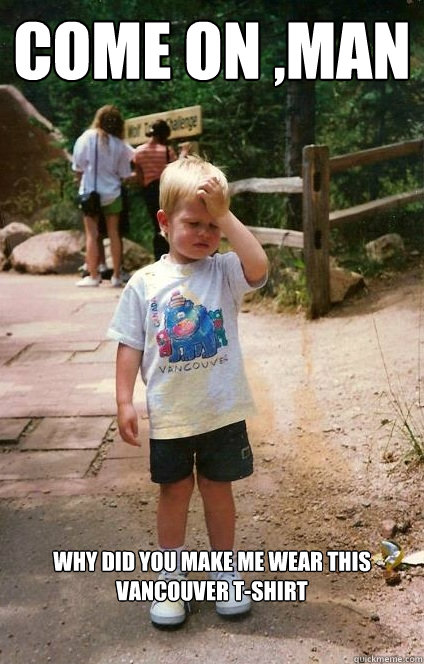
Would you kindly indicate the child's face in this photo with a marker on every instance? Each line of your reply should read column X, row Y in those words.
column 191, row 231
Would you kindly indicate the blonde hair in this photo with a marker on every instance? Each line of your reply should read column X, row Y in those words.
column 181, row 179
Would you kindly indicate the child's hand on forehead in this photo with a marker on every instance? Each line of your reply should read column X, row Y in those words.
column 210, row 191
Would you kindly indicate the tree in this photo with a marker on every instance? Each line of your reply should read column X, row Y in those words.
column 250, row 127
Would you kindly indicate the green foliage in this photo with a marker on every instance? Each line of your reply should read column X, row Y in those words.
column 266, row 210
column 406, row 419
column 141, row 227
column 64, row 215
column 348, row 243
column 286, row 283
column 43, row 226
column 244, row 121
column 64, row 187
column 58, row 210
column 25, row 199
column 354, row 258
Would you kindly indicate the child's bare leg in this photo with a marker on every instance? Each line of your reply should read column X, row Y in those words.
column 218, row 503
column 174, row 499
column 220, row 519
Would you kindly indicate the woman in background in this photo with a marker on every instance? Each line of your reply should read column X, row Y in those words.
column 102, row 161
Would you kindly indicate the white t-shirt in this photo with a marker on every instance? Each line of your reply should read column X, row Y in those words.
column 113, row 164
column 184, row 319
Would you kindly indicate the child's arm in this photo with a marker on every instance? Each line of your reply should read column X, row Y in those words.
column 127, row 365
column 252, row 257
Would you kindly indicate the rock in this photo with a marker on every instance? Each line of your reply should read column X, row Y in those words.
column 29, row 142
column 391, row 577
column 404, row 527
column 134, row 255
column 4, row 262
column 344, row 283
column 388, row 528
column 59, row 252
column 10, row 236
column 385, row 247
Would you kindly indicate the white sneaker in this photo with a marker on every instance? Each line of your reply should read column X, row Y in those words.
column 231, row 607
column 167, row 612
column 116, row 282
column 88, row 281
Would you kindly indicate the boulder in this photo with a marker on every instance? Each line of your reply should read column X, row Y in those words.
column 385, row 247
column 134, row 256
column 344, row 283
column 60, row 252
column 4, row 261
column 29, row 142
column 10, row 236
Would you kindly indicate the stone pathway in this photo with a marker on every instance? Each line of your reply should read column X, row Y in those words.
column 58, row 429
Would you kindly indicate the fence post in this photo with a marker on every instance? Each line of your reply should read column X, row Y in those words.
column 316, row 227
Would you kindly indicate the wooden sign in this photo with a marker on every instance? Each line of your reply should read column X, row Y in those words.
column 183, row 123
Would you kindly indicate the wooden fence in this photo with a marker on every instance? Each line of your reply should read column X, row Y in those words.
column 317, row 220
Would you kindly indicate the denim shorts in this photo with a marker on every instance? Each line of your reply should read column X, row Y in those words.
column 222, row 455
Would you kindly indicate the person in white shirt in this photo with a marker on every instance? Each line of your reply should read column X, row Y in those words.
column 102, row 160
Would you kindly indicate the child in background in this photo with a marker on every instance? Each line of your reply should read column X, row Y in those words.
column 177, row 322
column 150, row 159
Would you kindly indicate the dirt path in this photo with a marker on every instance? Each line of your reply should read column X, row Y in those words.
column 321, row 459
column 321, row 482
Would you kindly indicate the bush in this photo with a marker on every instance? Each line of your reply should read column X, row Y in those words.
column 64, row 215
column 286, row 283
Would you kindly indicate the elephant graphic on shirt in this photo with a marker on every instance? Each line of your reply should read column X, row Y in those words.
column 189, row 329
